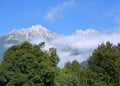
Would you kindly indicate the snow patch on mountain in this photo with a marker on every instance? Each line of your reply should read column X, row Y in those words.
column 86, row 32
column 78, row 46
column 27, row 34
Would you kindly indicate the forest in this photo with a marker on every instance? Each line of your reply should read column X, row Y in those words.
column 29, row 65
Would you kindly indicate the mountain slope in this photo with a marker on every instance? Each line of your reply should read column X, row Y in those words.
column 29, row 33
column 68, row 47
column 86, row 32
column 26, row 34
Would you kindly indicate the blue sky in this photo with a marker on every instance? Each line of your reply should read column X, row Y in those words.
column 60, row 16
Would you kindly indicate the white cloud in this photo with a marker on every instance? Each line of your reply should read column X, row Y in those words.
column 79, row 47
column 55, row 11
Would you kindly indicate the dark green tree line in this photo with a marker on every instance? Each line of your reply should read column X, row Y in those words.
column 28, row 65
column 105, row 64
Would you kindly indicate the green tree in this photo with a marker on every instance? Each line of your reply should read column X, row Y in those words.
column 76, row 74
column 28, row 65
column 105, row 64
column 65, row 78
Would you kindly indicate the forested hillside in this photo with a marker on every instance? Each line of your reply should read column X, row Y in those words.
column 29, row 65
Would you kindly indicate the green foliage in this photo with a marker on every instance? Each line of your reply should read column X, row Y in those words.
column 64, row 78
column 72, row 75
column 54, row 56
column 28, row 65
column 105, row 63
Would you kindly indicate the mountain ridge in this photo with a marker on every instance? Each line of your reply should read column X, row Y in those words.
column 38, row 33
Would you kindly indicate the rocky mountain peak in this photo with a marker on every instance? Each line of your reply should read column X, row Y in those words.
column 30, row 33
column 86, row 32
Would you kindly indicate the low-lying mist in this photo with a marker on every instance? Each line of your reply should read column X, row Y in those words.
column 78, row 47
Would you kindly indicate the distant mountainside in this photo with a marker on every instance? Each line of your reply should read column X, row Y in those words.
column 86, row 32
column 29, row 33
column 38, row 33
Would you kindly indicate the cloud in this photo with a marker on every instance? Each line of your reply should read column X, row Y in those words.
column 79, row 46
column 54, row 12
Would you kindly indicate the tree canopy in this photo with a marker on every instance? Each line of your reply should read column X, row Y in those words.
column 105, row 63
column 28, row 65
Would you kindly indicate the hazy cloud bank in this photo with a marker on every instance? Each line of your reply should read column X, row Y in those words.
column 79, row 47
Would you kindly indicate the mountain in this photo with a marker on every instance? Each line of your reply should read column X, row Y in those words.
column 26, row 34
column 86, row 32
column 67, row 47
column 29, row 33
